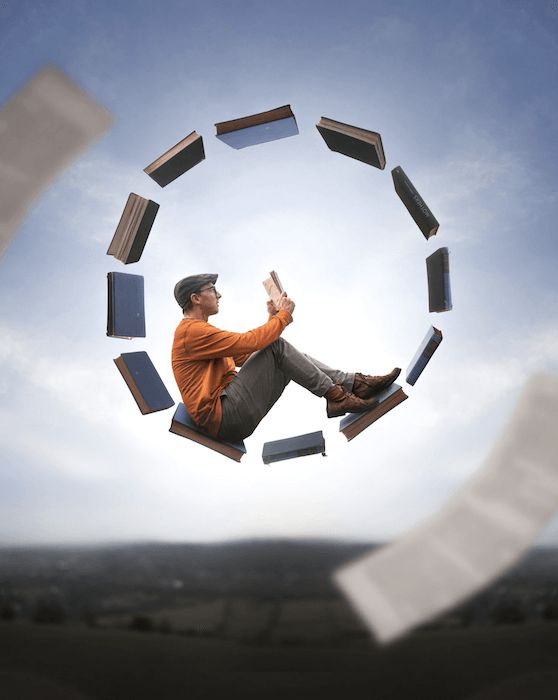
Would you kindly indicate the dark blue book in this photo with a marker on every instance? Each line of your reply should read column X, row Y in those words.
column 259, row 128
column 439, row 289
column 177, row 160
column 133, row 229
column 126, row 309
column 144, row 382
column 422, row 357
column 415, row 204
column 182, row 424
column 299, row 446
column 352, row 141
column 354, row 423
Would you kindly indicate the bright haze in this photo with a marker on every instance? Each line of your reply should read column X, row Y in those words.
column 464, row 97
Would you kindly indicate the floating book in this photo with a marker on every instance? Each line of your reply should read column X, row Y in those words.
column 182, row 424
column 273, row 287
column 415, row 204
column 126, row 310
column 354, row 423
column 144, row 382
column 267, row 126
column 177, row 160
column 439, row 290
column 299, row 446
column 133, row 229
column 478, row 534
column 426, row 349
column 44, row 127
column 352, row 141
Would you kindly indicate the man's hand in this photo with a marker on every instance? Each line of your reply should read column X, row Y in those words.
column 271, row 309
column 286, row 303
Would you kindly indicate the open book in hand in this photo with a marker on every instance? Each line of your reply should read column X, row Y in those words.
column 274, row 288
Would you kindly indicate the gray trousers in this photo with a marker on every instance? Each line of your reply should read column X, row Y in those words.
column 261, row 381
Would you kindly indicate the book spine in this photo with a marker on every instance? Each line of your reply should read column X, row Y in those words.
column 415, row 204
column 110, row 309
column 144, row 229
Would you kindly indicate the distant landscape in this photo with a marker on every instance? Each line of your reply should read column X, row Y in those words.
column 269, row 598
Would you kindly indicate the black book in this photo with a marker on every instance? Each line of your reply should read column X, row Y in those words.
column 299, row 446
column 415, row 204
column 177, row 160
column 278, row 123
column 133, row 229
column 352, row 141
column 183, row 425
column 126, row 310
column 439, row 290
column 354, row 423
column 144, row 382
column 422, row 357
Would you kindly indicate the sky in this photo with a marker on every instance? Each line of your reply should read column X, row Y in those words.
column 464, row 96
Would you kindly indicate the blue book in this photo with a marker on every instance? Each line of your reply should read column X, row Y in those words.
column 439, row 290
column 354, row 423
column 144, row 382
column 299, row 446
column 259, row 128
column 126, row 309
column 422, row 357
column 182, row 424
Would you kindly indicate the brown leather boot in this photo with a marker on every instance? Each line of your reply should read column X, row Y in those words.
column 366, row 386
column 340, row 402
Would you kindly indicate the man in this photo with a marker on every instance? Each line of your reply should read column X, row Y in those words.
column 230, row 405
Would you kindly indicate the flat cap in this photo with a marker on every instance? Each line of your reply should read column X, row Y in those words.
column 190, row 285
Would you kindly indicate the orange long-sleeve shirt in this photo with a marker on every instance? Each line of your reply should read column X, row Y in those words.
column 204, row 360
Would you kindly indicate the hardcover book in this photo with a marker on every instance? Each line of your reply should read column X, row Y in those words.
column 258, row 128
column 299, row 446
column 352, row 141
column 273, row 287
column 144, row 382
column 183, row 425
column 126, row 310
column 44, row 127
column 439, row 290
column 354, row 423
column 177, row 160
column 415, row 204
column 133, row 229
column 422, row 357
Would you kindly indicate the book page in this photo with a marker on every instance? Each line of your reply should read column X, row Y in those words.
column 274, row 288
column 476, row 537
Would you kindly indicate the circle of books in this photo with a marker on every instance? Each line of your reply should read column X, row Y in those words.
column 126, row 311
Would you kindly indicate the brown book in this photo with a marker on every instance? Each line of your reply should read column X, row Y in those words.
column 352, row 141
column 177, row 160
column 183, row 425
column 133, row 229
column 354, row 423
column 274, row 287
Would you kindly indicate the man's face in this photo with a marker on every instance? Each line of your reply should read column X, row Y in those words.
column 209, row 300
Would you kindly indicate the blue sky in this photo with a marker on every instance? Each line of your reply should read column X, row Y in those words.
column 464, row 97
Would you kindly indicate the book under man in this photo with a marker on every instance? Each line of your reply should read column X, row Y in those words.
column 298, row 446
column 177, row 160
column 352, row 141
column 144, row 382
column 183, row 425
column 126, row 307
column 278, row 123
column 422, row 357
column 438, row 274
column 133, row 229
column 415, row 204
column 354, row 423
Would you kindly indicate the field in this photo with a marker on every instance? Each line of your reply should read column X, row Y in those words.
column 70, row 662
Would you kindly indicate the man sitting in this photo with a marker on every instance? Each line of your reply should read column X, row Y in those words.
column 230, row 405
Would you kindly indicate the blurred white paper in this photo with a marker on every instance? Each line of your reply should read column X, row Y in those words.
column 479, row 534
column 43, row 128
